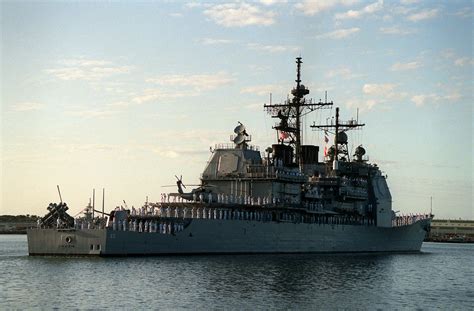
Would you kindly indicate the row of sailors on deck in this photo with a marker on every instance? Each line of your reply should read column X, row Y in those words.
column 211, row 213
column 405, row 220
column 221, row 198
column 147, row 226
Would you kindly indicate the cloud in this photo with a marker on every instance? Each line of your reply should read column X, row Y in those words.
column 464, row 12
column 192, row 5
column 396, row 30
column 409, row 1
column 179, row 86
column 405, row 66
column 239, row 15
column 422, row 15
column 92, row 113
column 264, row 89
column 214, row 41
column 382, row 90
column 420, row 100
column 423, row 99
column 158, row 94
column 27, row 106
column 199, row 82
column 312, row 7
column 272, row 2
column 463, row 61
column 453, row 96
column 339, row 34
column 369, row 9
column 448, row 53
column 87, row 69
column 273, row 48
column 375, row 94
column 342, row 72
column 176, row 14
column 362, row 104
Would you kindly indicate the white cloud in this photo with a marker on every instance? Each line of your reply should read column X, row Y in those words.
column 342, row 72
column 402, row 10
column 261, row 90
column 179, row 86
column 191, row 5
column 448, row 53
column 464, row 12
column 239, row 15
column 339, row 34
column 157, row 94
column 453, row 96
column 382, row 90
column 361, row 104
column 369, row 9
column 375, row 94
column 87, row 69
column 27, row 106
column 176, row 14
column 272, row 2
column 83, row 62
column 422, row 15
column 214, row 41
column 396, row 30
column 463, row 61
column 119, row 104
column 170, row 154
column 423, row 99
column 92, row 113
column 409, row 1
column 420, row 100
column 405, row 66
column 199, row 82
column 273, row 48
column 312, row 7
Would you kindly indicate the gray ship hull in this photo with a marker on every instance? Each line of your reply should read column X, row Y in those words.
column 206, row 236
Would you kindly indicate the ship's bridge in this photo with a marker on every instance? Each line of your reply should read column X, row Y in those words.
column 231, row 161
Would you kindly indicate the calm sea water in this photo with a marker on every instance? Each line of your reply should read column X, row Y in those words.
column 441, row 277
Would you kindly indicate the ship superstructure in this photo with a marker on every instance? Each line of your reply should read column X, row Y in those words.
column 281, row 200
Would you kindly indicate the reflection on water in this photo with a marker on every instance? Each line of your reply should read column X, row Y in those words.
column 440, row 276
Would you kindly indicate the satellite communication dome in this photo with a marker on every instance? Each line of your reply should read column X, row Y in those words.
column 239, row 139
column 239, row 129
column 360, row 151
column 342, row 138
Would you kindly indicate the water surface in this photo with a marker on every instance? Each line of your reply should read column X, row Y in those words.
column 440, row 277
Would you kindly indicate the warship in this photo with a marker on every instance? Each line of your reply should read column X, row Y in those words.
column 281, row 200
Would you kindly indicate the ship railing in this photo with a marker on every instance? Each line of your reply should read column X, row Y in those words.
column 406, row 220
column 329, row 181
column 261, row 171
column 232, row 146
column 175, row 218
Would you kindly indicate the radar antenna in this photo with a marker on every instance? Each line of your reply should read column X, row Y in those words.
column 241, row 138
column 290, row 113
column 339, row 150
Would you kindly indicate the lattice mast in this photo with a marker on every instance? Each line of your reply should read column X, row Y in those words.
column 340, row 136
column 290, row 113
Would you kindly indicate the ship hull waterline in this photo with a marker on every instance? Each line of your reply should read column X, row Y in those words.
column 206, row 236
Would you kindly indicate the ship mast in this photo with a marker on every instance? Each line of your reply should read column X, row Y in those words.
column 290, row 113
column 340, row 137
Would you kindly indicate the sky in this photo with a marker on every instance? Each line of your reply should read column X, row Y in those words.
column 124, row 95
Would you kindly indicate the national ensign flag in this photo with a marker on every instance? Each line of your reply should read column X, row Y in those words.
column 284, row 135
